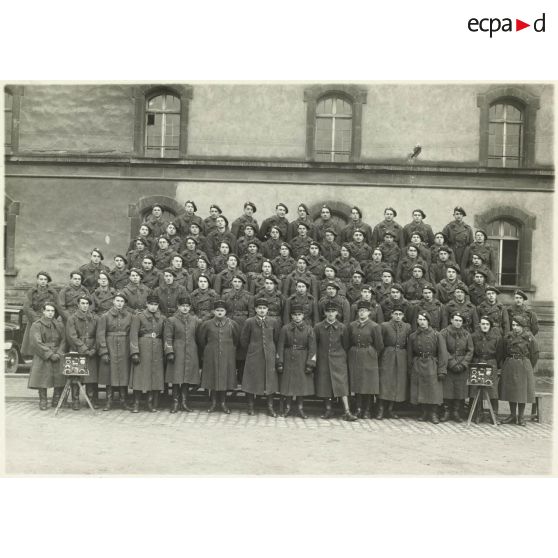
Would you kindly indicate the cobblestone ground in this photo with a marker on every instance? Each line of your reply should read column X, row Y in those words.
column 119, row 442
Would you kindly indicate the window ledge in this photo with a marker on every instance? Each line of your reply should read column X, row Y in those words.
column 11, row 272
column 511, row 289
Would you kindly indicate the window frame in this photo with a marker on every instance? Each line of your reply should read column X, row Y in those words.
column 142, row 93
column 355, row 95
column 11, row 211
column 527, row 103
column 501, row 238
column 16, row 91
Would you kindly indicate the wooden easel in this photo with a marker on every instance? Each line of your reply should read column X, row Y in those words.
column 482, row 394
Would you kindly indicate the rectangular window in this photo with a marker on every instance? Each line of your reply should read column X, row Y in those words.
column 8, row 119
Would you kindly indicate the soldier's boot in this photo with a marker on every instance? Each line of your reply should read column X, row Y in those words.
column 108, row 400
column 380, row 409
column 149, row 402
column 270, row 410
column 390, row 412
column 300, row 408
column 93, row 393
column 155, row 401
column 424, row 413
column 328, row 412
column 456, row 411
column 184, row 398
column 213, row 406
column 358, row 405
column 224, row 406
column 250, row 404
column 56, row 394
column 124, row 397
column 136, row 404
column 494, row 403
column 366, row 407
column 512, row 419
column 43, row 400
column 175, row 402
column 75, row 397
column 520, row 414
column 434, row 414
column 445, row 411
column 286, row 404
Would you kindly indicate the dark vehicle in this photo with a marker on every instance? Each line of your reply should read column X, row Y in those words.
column 13, row 337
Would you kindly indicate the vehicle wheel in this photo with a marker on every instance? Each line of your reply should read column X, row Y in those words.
column 12, row 361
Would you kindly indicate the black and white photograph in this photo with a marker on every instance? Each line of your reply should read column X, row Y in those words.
column 279, row 278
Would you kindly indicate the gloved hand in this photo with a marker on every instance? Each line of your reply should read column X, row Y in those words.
column 106, row 359
column 170, row 357
column 441, row 377
column 309, row 370
column 91, row 352
column 55, row 357
column 279, row 368
column 136, row 359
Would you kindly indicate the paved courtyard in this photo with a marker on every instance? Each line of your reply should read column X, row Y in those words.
column 198, row 443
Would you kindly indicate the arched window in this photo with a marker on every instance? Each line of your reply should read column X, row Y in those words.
column 162, row 126
column 161, row 120
column 505, row 135
column 503, row 236
column 334, row 126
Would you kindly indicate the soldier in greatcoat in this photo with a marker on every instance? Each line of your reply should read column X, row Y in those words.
column 102, row 296
column 439, row 241
column 459, row 345
column 204, row 269
column 190, row 253
column 146, row 352
column 427, row 364
column 412, row 288
column 81, row 333
column 302, row 298
column 477, row 289
column 271, row 247
column 460, row 304
column 238, row 225
column 275, row 300
column 296, row 361
column 251, row 262
column 156, row 222
column 90, row 272
column 278, row 220
column 182, row 277
column 113, row 342
column 163, row 254
column 210, row 222
column 388, row 225
column 303, row 217
column 356, row 223
column 521, row 354
column 519, row 308
column 301, row 272
column 118, row 275
column 446, row 287
column 188, row 218
column 218, row 339
column 346, row 265
column 259, row 338
column 477, row 265
column 300, row 244
column 495, row 310
column 330, row 276
column 439, row 266
column 33, row 305
column 332, row 376
column 330, row 249
column 365, row 346
column 390, row 250
column 480, row 248
column 324, row 223
column 139, row 251
column 459, row 235
column 332, row 296
column 171, row 232
column 145, row 234
column 257, row 282
column 202, row 299
column 169, row 292
column 183, row 363
column 47, row 341
column 368, row 294
column 151, row 275
column 428, row 303
column 316, row 262
column 249, row 236
column 220, row 234
column 135, row 291
column 352, row 293
column 418, row 225
column 220, row 260
column 394, row 382
column 284, row 264
column 223, row 280
column 68, row 295
column 361, row 251
column 406, row 264
column 395, row 300
column 374, row 268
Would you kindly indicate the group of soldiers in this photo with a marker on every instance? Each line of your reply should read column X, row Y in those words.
column 384, row 314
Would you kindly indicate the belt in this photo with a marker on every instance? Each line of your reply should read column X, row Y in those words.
column 117, row 334
column 397, row 347
column 153, row 335
column 425, row 355
column 297, row 348
column 518, row 357
column 360, row 346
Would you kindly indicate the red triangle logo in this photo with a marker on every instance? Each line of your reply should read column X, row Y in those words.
column 519, row 25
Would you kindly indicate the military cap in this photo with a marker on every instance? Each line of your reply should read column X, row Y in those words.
column 482, row 272
column 421, row 212
column 250, row 204
column 461, row 286
column 170, row 270
column 282, row 205
column 357, row 209
column 418, row 233
column 197, row 225
column 229, row 256
column 215, row 206
column 44, row 274
column 429, row 286
column 84, row 297
column 456, row 314
column 303, row 224
column 303, row 280
column 224, row 219
column 277, row 229
column 442, row 235
column 453, row 266
column 303, row 258
column 520, row 320
column 156, row 205
column 150, row 258
column 368, row 288
column 389, row 233
column 205, row 277
column 227, row 243
column 479, row 256
column 392, row 210
column 305, row 207
column 140, row 239
column 105, row 273
column 363, row 304
column 419, row 266
column 183, row 299
column 240, row 276
column 332, row 231
column 193, row 204
column 121, row 295
column 397, row 287
column 333, row 284
column 76, row 272
column 249, row 226
column 253, row 242
column 121, row 256
column 173, row 224
column 163, row 237
column 195, row 240
column 358, row 272
column 315, row 243
column 261, row 302
column 325, row 206
column 520, row 293
column 487, row 318
column 347, row 247
column 297, row 309
column 153, row 299
column 285, row 244
column 388, row 269
column 483, row 232
column 331, row 306
column 358, row 231
column 98, row 252
column 219, row 304
column 459, row 209
column 444, row 248
column 272, row 278
column 331, row 266
column 424, row 314
column 178, row 256
column 137, row 270
column 492, row 288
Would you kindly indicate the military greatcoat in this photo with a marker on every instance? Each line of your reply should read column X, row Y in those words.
column 91, row 273
column 68, row 299
column 521, row 354
column 394, row 383
column 181, row 332
column 136, row 296
column 81, row 332
column 459, row 345
column 366, row 344
column 488, row 347
column 332, row 343
column 459, row 235
column 497, row 313
column 102, row 299
column 46, row 338
column 32, row 308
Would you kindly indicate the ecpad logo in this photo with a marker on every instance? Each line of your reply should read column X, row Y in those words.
column 494, row 24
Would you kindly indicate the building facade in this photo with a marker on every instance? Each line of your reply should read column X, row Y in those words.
column 84, row 163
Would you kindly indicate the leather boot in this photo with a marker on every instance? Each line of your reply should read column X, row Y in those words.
column 124, row 397
column 358, row 405
column 43, row 400
column 348, row 416
column 108, row 400
column 135, row 406
column 390, row 412
column 174, row 405
column 286, row 406
column 56, row 394
column 434, row 414
column 224, row 406
column 270, row 410
column 520, row 414
column 380, row 409
column 424, row 413
column 184, row 398
column 366, row 407
column 328, row 413
column 445, row 416
column 75, row 397
column 456, row 412
column 250, row 403
column 213, row 406
column 150, row 402
column 155, row 400
column 93, row 393
column 300, row 408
